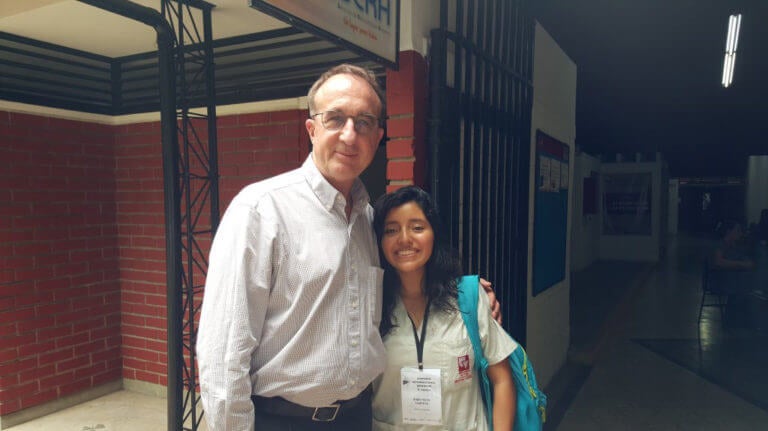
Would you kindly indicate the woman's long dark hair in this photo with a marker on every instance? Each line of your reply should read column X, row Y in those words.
column 442, row 269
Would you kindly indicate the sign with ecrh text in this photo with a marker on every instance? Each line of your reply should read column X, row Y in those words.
column 369, row 26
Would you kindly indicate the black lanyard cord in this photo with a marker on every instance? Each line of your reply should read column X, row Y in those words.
column 420, row 341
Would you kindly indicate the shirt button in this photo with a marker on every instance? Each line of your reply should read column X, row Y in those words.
column 354, row 304
column 353, row 343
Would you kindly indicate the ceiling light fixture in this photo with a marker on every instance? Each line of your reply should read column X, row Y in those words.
column 732, row 41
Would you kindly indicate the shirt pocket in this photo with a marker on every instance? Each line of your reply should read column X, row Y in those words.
column 457, row 362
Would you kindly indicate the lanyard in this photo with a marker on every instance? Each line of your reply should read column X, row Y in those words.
column 420, row 342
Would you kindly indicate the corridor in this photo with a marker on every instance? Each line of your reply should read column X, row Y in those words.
column 652, row 372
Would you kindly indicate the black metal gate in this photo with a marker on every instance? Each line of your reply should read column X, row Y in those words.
column 481, row 97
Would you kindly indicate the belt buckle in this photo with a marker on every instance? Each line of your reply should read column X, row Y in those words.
column 320, row 416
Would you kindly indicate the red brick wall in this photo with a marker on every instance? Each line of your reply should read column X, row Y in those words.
column 406, row 128
column 251, row 147
column 140, row 225
column 59, row 291
column 82, row 248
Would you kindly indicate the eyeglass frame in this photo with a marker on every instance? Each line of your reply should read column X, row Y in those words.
column 376, row 121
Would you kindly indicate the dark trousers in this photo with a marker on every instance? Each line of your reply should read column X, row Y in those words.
column 357, row 418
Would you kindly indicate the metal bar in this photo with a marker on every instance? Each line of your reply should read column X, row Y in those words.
column 213, row 150
column 56, row 59
column 466, row 195
column 34, row 97
column 496, row 193
column 490, row 235
column 505, row 147
column 483, row 82
column 170, row 152
column 57, row 73
column 54, row 88
column 522, row 165
column 53, row 47
column 117, row 94
column 437, row 85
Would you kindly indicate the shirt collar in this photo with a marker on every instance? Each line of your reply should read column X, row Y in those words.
column 327, row 194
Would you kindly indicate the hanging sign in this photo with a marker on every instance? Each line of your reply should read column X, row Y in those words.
column 370, row 27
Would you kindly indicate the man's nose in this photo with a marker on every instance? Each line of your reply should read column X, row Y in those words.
column 349, row 127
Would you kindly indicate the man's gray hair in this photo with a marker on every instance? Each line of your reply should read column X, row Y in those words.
column 348, row 69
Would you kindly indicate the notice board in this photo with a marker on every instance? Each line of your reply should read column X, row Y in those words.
column 550, row 220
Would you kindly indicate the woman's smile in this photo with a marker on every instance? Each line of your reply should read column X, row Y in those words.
column 408, row 238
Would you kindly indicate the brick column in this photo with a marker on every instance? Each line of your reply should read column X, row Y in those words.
column 407, row 123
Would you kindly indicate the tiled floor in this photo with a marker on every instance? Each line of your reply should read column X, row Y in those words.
column 644, row 366
column 665, row 371
column 118, row 411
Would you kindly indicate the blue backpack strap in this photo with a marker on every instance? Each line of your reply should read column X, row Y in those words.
column 468, row 291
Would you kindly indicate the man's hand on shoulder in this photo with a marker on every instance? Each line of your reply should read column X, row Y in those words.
column 495, row 305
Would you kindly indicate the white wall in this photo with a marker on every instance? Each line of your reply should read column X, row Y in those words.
column 585, row 229
column 757, row 187
column 637, row 247
column 417, row 19
column 554, row 112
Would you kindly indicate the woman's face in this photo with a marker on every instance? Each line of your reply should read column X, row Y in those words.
column 407, row 239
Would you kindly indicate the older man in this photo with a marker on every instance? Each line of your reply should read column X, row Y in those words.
column 289, row 325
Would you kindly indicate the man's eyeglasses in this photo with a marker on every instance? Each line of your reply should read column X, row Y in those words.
column 365, row 124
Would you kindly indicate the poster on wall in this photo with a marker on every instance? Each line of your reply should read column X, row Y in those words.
column 544, row 173
column 550, row 218
column 564, row 177
column 371, row 28
column 554, row 175
column 627, row 204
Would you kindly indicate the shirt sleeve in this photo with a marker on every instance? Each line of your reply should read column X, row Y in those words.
column 233, row 313
column 497, row 344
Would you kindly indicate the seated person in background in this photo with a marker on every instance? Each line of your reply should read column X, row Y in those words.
column 730, row 253
column 762, row 226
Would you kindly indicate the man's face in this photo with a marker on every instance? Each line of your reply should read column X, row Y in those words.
column 341, row 155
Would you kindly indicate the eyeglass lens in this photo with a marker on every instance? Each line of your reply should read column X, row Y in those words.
column 335, row 120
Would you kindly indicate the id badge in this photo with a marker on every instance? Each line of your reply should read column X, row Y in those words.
column 421, row 396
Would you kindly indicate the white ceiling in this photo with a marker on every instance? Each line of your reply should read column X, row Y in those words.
column 87, row 28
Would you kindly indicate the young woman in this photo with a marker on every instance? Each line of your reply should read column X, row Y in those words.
column 430, row 382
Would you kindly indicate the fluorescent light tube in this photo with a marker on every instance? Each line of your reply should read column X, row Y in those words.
column 731, row 43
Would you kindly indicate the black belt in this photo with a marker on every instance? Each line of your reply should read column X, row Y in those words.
column 282, row 407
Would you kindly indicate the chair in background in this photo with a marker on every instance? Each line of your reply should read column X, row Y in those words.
column 711, row 294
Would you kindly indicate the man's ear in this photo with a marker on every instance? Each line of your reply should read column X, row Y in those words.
column 310, row 125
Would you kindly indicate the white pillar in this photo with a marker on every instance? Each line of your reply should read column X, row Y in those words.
column 757, row 187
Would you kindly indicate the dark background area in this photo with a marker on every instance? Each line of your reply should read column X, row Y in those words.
column 649, row 79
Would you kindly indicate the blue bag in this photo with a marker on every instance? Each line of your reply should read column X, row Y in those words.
column 531, row 402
